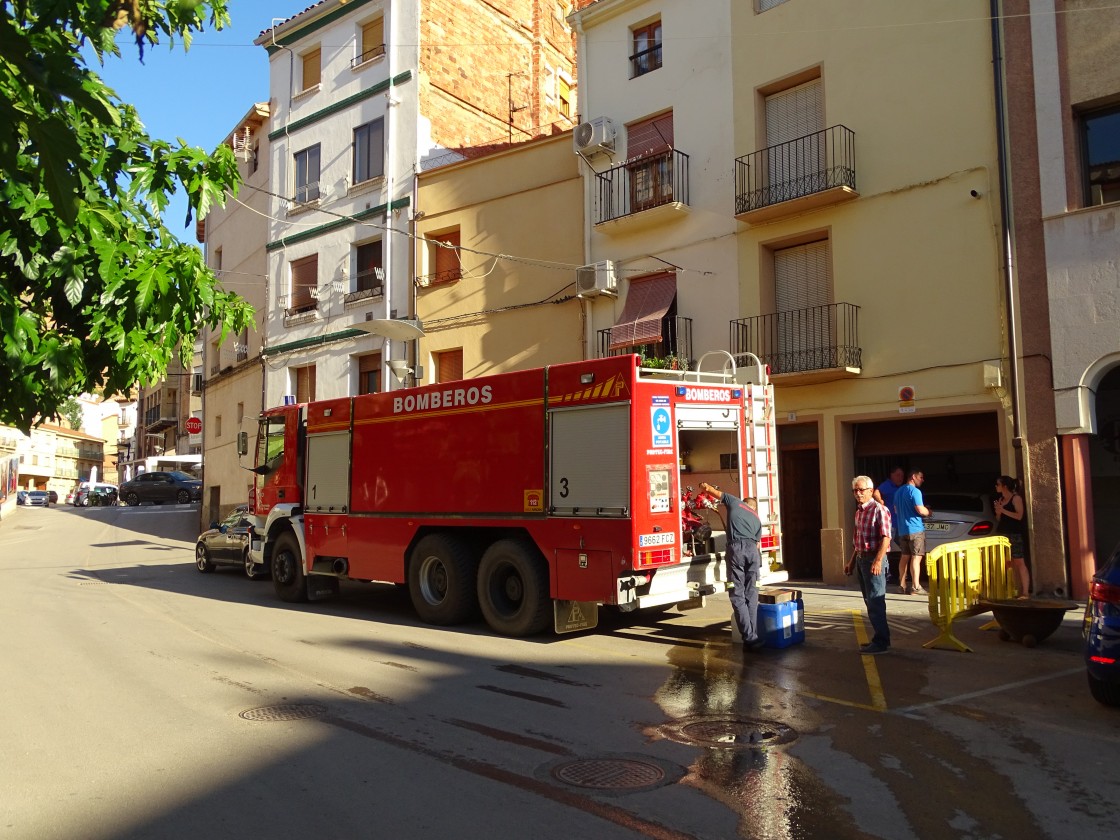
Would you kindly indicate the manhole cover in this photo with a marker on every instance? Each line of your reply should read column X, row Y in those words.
column 733, row 732
column 284, row 711
column 610, row 774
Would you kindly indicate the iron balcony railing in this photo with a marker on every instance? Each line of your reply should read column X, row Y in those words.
column 802, row 340
column 368, row 55
column 675, row 345
column 645, row 61
column 642, row 184
column 810, row 164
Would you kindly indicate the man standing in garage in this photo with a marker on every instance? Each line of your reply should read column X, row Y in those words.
column 911, row 528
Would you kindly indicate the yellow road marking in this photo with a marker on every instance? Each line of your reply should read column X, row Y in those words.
column 870, row 671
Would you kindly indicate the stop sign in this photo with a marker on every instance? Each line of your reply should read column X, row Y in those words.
column 194, row 426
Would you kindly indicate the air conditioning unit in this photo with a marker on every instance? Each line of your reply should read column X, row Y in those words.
column 594, row 136
column 596, row 279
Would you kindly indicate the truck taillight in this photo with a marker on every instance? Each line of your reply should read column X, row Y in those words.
column 252, row 500
column 655, row 557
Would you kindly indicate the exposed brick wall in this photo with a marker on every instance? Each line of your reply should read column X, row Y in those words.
column 470, row 50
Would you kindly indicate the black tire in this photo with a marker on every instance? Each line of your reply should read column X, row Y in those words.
column 1103, row 692
column 184, row 497
column 441, row 580
column 132, row 500
column 253, row 571
column 202, row 559
column 513, row 588
column 288, row 578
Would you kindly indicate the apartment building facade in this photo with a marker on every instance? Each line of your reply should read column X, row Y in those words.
column 1063, row 110
column 231, row 374
column 505, row 298
column 784, row 175
column 363, row 95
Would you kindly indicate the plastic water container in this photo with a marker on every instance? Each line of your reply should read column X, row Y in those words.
column 782, row 625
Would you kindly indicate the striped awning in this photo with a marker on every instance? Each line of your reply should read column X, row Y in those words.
column 647, row 301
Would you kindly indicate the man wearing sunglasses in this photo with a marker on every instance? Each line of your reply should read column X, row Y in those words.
column 871, row 541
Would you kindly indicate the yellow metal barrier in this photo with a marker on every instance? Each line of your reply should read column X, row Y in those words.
column 961, row 575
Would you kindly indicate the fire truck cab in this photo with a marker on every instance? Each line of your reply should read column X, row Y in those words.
column 531, row 497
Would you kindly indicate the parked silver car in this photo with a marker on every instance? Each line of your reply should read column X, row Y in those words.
column 957, row 516
column 38, row 498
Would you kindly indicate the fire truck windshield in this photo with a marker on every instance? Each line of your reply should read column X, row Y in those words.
column 270, row 444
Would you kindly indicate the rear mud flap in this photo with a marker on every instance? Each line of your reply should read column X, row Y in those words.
column 570, row 616
column 321, row 587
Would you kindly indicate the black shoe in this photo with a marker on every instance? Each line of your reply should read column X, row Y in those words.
column 754, row 645
column 873, row 648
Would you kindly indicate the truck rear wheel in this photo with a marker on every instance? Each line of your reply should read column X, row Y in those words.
column 441, row 580
column 513, row 588
column 288, row 578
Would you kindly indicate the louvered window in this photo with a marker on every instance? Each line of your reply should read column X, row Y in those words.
column 369, row 374
column 305, row 279
column 373, row 39
column 312, row 68
column 368, row 272
column 649, row 147
column 790, row 116
column 802, row 298
column 305, row 383
column 449, row 365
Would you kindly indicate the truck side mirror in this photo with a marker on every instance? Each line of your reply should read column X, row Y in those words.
column 242, row 443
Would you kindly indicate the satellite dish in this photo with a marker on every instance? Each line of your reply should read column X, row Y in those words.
column 397, row 329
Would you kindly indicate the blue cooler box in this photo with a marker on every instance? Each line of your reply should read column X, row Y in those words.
column 782, row 625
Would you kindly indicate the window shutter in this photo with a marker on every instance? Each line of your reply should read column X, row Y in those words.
column 312, row 69
column 448, row 266
column 369, row 374
column 368, row 268
column 450, row 365
column 373, row 38
column 649, row 136
column 801, row 276
column 305, row 277
column 305, row 384
column 794, row 113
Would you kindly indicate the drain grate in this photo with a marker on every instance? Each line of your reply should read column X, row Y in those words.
column 284, row 711
column 610, row 774
column 744, row 733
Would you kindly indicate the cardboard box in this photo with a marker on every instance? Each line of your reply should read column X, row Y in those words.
column 775, row 595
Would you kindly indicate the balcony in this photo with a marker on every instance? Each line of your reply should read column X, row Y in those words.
column 643, row 190
column 157, row 418
column 813, row 171
column 815, row 344
column 368, row 55
column 675, row 348
column 302, row 300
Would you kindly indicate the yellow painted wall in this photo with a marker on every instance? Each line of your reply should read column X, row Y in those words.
column 525, row 203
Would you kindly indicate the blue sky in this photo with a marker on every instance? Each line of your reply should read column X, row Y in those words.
column 198, row 95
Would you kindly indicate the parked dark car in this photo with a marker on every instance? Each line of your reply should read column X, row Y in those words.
column 160, row 487
column 21, row 497
column 1102, row 632
column 53, row 497
column 226, row 543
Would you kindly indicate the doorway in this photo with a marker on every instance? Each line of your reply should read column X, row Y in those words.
column 799, row 465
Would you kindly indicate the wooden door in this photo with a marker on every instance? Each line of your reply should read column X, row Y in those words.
column 800, row 483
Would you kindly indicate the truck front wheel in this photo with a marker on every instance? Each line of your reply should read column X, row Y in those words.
column 287, row 569
column 441, row 580
column 513, row 588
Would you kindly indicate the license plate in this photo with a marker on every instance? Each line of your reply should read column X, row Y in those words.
column 938, row 526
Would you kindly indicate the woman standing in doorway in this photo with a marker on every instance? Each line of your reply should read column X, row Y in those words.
column 1011, row 522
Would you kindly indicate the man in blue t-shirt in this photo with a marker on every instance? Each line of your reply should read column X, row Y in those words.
column 908, row 513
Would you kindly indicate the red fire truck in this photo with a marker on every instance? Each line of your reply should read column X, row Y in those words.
column 531, row 496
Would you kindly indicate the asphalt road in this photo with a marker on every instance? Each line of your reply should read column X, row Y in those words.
column 141, row 699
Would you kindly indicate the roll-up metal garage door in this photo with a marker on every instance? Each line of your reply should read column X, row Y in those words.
column 589, row 463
